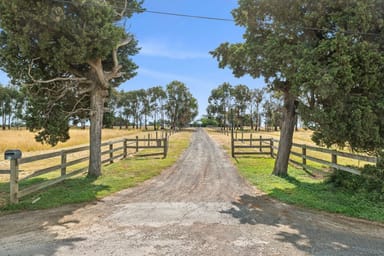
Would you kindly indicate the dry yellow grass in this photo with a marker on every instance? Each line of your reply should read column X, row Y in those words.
column 25, row 140
column 299, row 137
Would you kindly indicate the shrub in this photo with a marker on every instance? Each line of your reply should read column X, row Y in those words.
column 370, row 182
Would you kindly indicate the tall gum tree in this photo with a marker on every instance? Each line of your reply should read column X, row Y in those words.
column 181, row 106
column 219, row 103
column 65, row 54
column 311, row 53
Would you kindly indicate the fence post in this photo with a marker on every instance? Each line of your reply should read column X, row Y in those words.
column 261, row 144
column 271, row 144
column 125, row 154
column 165, row 147
column 233, row 143
column 111, row 153
column 149, row 139
column 334, row 159
column 304, row 155
column 63, row 163
column 250, row 140
column 14, row 181
column 380, row 159
column 137, row 144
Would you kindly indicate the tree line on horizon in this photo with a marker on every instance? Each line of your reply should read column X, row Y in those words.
column 241, row 106
column 173, row 107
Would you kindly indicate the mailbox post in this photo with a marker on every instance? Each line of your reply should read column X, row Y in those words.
column 13, row 156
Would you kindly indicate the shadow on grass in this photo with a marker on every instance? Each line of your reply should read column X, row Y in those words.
column 310, row 232
column 74, row 190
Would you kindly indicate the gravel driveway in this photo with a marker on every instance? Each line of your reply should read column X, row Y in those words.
column 200, row 206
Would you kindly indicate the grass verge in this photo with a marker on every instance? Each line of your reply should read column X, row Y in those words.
column 118, row 176
column 303, row 190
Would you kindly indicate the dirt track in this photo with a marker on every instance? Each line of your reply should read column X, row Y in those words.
column 200, row 206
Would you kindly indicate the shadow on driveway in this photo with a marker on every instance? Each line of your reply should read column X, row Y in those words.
column 313, row 232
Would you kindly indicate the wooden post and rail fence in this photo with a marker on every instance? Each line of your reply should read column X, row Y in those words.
column 307, row 157
column 71, row 162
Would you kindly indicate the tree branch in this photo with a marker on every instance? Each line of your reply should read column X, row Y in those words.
column 116, row 67
column 75, row 108
column 97, row 67
column 53, row 79
column 121, row 14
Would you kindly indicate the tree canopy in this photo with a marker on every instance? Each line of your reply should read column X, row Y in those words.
column 240, row 99
column 181, row 106
column 321, row 56
column 67, row 55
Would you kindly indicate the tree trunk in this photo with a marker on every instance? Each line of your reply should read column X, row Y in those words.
column 96, row 119
column 3, row 118
column 251, row 117
column 9, row 121
column 286, row 135
column 155, row 123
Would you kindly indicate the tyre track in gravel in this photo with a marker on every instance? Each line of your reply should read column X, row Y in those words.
column 200, row 206
column 203, row 174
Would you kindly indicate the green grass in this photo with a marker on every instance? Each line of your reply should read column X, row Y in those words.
column 117, row 176
column 301, row 189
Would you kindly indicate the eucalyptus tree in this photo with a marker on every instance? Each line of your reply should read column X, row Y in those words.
column 67, row 53
column 134, row 106
column 157, row 104
column 273, row 112
column 242, row 99
column 257, row 96
column 146, row 106
column 181, row 106
column 18, row 107
column 11, row 105
column 219, row 103
column 213, row 113
column 122, row 105
column 111, row 103
column 313, row 52
column 8, row 97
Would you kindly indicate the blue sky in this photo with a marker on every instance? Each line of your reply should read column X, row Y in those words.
column 177, row 48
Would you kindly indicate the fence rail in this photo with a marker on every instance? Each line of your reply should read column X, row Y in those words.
column 303, row 156
column 250, row 145
column 308, row 157
column 71, row 162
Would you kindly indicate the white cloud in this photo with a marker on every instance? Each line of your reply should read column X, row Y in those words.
column 167, row 77
column 157, row 48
